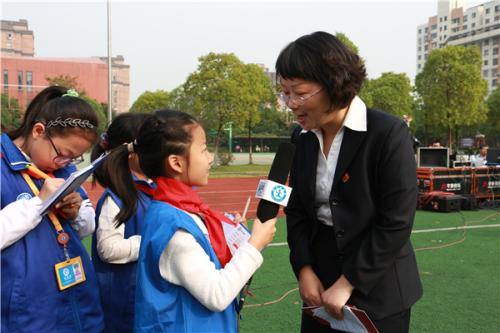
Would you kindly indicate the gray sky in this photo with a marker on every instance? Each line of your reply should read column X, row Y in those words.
column 162, row 40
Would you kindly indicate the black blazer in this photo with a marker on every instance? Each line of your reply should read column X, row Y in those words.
column 373, row 201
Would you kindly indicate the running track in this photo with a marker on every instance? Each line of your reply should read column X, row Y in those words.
column 222, row 194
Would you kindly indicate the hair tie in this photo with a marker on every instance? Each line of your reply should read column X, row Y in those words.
column 71, row 93
column 104, row 143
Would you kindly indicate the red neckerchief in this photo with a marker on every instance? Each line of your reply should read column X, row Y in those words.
column 182, row 196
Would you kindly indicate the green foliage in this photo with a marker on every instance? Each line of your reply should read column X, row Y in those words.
column 452, row 89
column 100, row 111
column 492, row 128
column 151, row 101
column 347, row 42
column 390, row 92
column 11, row 113
column 225, row 157
column 67, row 81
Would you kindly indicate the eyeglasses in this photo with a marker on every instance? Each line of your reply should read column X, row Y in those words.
column 297, row 99
column 64, row 160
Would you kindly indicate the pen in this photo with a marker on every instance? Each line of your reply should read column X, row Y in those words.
column 246, row 207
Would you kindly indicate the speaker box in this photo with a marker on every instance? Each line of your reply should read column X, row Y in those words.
column 469, row 202
column 446, row 203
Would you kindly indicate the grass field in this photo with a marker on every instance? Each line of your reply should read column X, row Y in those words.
column 460, row 271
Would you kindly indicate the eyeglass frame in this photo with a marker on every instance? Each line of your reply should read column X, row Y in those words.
column 298, row 100
column 61, row 159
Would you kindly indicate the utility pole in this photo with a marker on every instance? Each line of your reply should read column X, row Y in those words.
column 110, row 64
column 230, row 130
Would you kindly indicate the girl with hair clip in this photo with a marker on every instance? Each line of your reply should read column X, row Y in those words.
column 187, row 279
column 48, row 282
column 115, row 245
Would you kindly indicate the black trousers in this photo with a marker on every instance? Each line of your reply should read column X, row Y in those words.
column 327, row 266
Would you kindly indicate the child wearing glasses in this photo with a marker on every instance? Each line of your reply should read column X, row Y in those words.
column 48, row 283
column 115, row 245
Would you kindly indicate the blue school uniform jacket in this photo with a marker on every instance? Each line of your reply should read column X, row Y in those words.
column 117, row 281
column 160, row 305
column 31, row 299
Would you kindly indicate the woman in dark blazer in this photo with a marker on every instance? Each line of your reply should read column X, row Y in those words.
column 354, row 195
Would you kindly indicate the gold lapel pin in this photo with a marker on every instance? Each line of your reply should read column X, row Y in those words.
column 345, row 177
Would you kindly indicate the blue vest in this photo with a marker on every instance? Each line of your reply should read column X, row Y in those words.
column 162, row 306
column 117, row 281
column 31, row 300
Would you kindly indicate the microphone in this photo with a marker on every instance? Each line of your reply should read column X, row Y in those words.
column 280, row 168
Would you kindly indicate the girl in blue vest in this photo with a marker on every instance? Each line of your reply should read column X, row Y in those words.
column 115, row 245
column 48, row 282
column 187, row 279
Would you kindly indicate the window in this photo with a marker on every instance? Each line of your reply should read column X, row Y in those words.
column 486, row 52
column 445, row 28
column 434, row 27
column 497, row 18
column 419, row 48
column 487, row 10
column 485, row 73
column 440, row 19
column 19, row 81
column 426, row 47
column 497, row 8
column 473, row 25
column 473, row 15
column 495, row 50
column 485, row 62
column 419, row 65
column 445, row 18
column 487, row 21
column 419, row 57
column 29, row 81
column 426, row 29
column 495, row 62
column 419, row 31
column 465, row 27
column 494, row 82
column 465, row 19
column 494, row 72
column 5, row 80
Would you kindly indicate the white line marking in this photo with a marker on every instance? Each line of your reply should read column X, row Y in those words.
column 428, row 230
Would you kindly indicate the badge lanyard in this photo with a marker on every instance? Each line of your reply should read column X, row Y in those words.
column 69, row 272
column 62, row 236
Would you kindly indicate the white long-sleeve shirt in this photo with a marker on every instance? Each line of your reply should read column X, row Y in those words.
column 21, row 216
column 112, row 246
column 185, row 263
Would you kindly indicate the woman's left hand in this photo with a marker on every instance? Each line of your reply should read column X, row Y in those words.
column 335, row 297
column 69, row 206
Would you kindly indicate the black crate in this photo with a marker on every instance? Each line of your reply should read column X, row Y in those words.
column 448, row 203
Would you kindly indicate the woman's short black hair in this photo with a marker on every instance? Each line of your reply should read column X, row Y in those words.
column 321, row 57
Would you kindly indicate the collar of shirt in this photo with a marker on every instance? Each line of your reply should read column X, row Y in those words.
column 355, row 118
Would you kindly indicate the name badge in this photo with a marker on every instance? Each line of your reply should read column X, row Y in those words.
column 69, row 273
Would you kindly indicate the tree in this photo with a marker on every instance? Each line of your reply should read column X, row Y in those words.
column 151, row 101
column 390, row 92
column 347, row 42
column 213, row 92
column 100, row 110
column 11, row 113
column 67, row 81
column 256, row 96
column 452, row 89
column 492, row 127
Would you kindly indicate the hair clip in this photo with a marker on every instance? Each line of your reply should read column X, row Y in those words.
column 72, row 122
column 71, row 93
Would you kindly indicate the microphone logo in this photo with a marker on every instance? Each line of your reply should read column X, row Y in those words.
column 278, row 193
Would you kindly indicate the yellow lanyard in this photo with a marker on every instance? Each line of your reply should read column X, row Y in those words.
column 62, row 236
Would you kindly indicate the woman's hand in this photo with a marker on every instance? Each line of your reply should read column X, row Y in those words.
column 238, row 218
column 50, row 185
column 262, row 233
column 310, row 287
column 335, row 297
column 69, row 206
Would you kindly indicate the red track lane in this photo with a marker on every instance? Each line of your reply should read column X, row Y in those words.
column 222, row 194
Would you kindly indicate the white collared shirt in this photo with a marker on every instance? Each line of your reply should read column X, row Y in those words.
column 325, row 171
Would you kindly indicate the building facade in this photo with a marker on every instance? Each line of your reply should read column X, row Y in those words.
column 24, row 75
column 456, row 25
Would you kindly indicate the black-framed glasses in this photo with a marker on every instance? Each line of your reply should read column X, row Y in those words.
column 61, row 159
column 297, row 99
